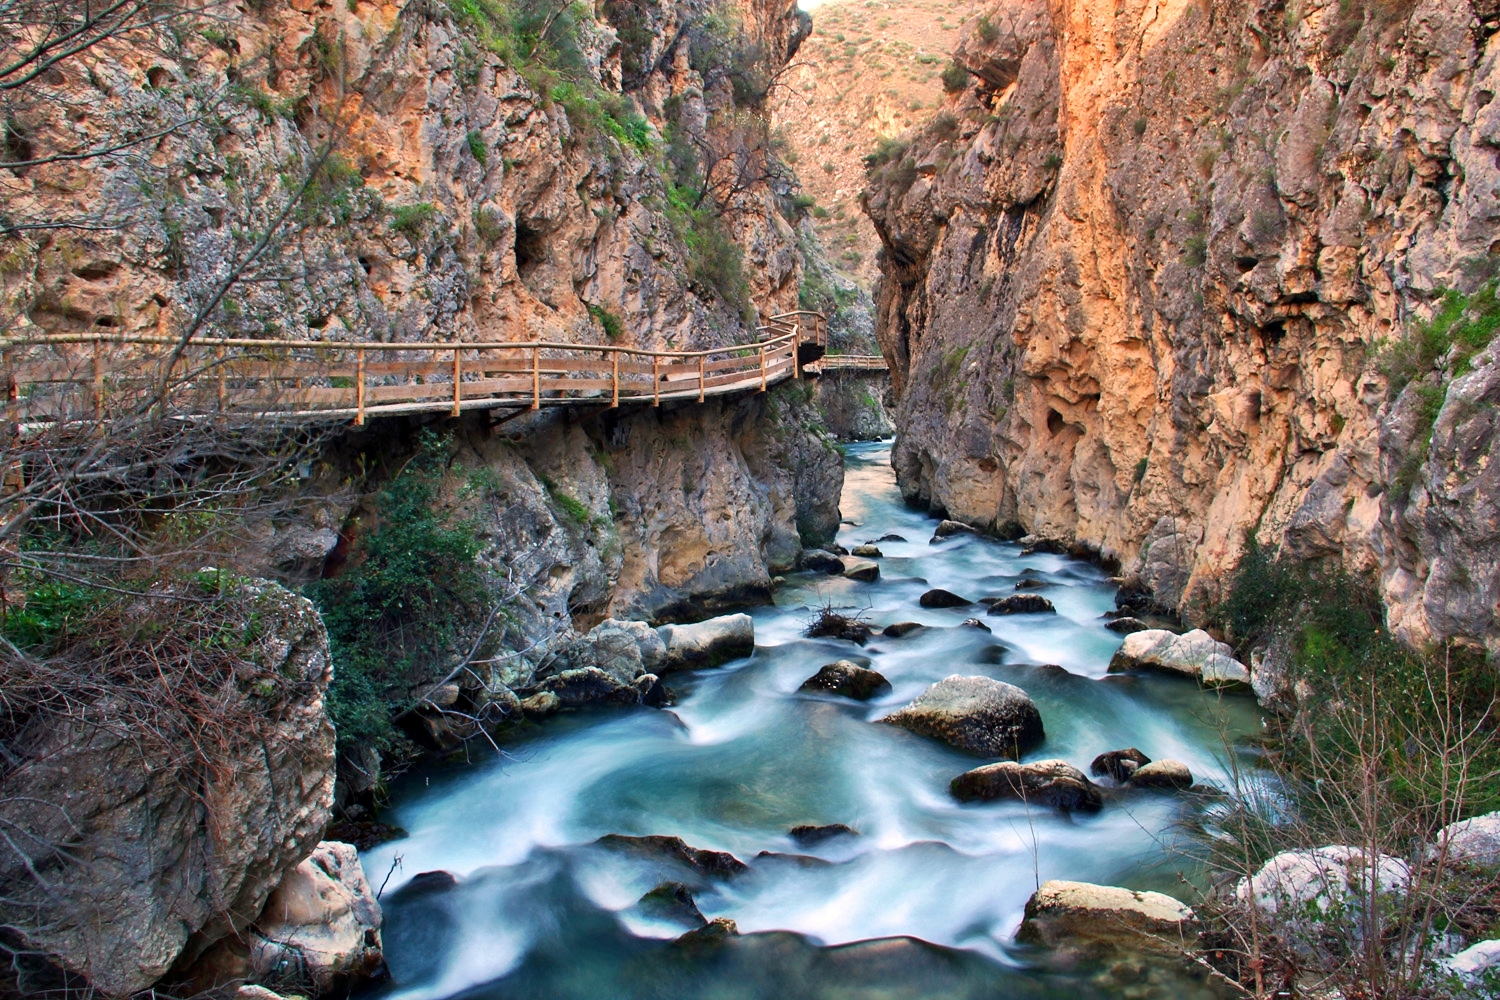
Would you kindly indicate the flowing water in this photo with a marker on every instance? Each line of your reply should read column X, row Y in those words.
column 923, row 902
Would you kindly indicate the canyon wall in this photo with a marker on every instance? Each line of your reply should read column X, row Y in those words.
column 1141, row 277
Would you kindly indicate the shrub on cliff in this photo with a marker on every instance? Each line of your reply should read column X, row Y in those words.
column 397, row 607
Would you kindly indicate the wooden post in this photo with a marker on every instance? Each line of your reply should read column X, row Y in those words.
column 359, row 388
column 700, row 378
column 98, row 380
column 655, row 379
column 762, row 367
column 536, row 378
column 797, row 350
column 223, row 390
column 615, row 401
column 458, row 381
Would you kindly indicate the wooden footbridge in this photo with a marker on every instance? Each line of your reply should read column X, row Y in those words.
column 83, row 376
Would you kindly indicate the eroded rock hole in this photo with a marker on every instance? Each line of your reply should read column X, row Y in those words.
column 531, row 249
column 16, row 148
column 1055, row 422
column 157, row 77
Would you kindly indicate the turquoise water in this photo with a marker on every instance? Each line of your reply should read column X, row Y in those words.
column 923, row 902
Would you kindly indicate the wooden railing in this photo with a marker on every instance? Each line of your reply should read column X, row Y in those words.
column 333, row 379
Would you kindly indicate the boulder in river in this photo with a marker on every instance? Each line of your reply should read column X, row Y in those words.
column 892, row 537
column 1031, row 583
column 1050, row 784
column 897, row 629
column 1022, row 604
column 704, row 862
column 820, row 561
column 321, row 925
column 1194, row 654
column 867, row 552
column 707, row 644
column 592, row 686
column 1085, row 917
column 1173, row 774
column 947, row 529
column 714, row 932
column 979, row 715
column 974, row 623
column 1119, row 764
column 848, row 679
column 672, row 901
column 1126, row 625
column 940, row 598
column 862, row 570
column 818, row 834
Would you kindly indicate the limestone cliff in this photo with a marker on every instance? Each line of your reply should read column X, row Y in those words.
column 1138, row 275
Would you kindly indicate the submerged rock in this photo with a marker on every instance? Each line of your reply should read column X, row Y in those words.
column 947, row 529
column 897, row 629
column 862, row 570
column 320, row 925
column 704, row 862
column 848, row 679
column 1051, row 784
column 1119, row 764
column 939, row 598
column 707, row 644
column 974, row 623
column 1022, row 604
column 1031, row 583
column 1194, row 654
column 818, row 834
column 715, row 931
column 672, row 901
column 976, row 714
column 820, row 561
column 1172, row 774
column 892, row 537
column 1100, row 918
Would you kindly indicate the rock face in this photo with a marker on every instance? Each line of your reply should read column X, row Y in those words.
column 321, row 925
column 1194, row 654
column 1135, row 298
column 1048, row 784
column 162, row 860
column 707, row 644
column 848, row 679
column 979, row 715
column 1087, row 917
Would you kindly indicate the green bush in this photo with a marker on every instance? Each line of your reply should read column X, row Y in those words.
column 397, row 607
column 955, row 77
column 55, row 612
column 614, row 326
column 412, row 220
column 987, row 30
column 886, row 150
column 1463, row 325
column 477, row 148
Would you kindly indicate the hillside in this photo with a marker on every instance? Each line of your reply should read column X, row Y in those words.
column 870, row 70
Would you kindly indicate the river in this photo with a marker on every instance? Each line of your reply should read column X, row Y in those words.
column 922, row 902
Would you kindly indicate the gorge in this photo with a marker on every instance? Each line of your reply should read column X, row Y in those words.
column 1132, row 635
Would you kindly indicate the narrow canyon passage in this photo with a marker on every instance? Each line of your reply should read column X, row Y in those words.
column 540, row 909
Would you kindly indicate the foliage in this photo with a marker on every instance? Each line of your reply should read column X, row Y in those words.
column 955, row 78
column 55, row 613
column 477, row 148
column 412, row 220
column 614, row 326
column 399, row 604
column 886, row 150
column 986, row 29
column 1195, row 251
column 1462, row 326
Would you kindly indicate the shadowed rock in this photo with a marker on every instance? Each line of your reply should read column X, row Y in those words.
column 1022, row 604
column 939, row 598
column 672, row 901
column 848, row 679
column 1051, row 784
column 818, row 834
column 714, row 932
column 975, row 714
column 820, row 561
column 898, row 629
column 947, row 529
column 712, row 863
column 1119, row 764
column 974, row 623
column 1127, row 625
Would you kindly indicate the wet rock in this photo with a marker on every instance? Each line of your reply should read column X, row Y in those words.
column 321, row 925
column 1301, row 888
column 590, row 686
column 974, row 623
column 837, row 549
column 1173, row 774
column 976, row 714
column 714, row 932
column 892, row 537
column 672, row 901
column 1047, row 546
column 897, row 629
column 868, row 552
column 1194, row 654
column 541, row 705
column 426, row 883
column 817, row 834
column 831, row 624
column 707, row 644
column 862, row 570
column 704, row 862
column 939, row 598
column 1032, row 583
column 1051, row 784
column 849, row 679
column 1022, row 604
column 820, row 561
column 947, row 529
column 1085, row 917
column 1119, row 764
column 1475, row 840
column 652, row 692
column 798, row 860
column 1126, row 625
